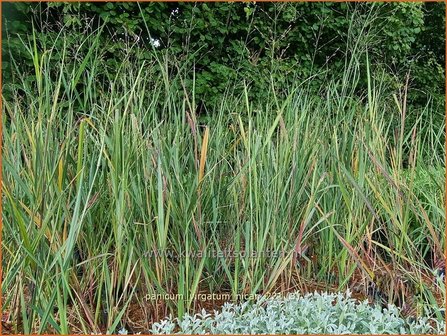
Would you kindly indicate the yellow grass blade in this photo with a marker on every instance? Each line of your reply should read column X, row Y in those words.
column 60, row 174
column 203, row 154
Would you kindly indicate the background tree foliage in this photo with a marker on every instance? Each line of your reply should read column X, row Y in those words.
column 223, row 45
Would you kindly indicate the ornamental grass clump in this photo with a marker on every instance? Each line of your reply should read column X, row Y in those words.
column 317, row 313
column 115, row 189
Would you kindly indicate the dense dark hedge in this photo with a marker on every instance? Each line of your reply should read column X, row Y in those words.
column 225, row 42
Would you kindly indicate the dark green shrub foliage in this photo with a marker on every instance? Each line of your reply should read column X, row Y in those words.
column 226, row 43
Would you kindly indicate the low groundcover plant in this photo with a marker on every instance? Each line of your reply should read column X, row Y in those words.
column 317, row 313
